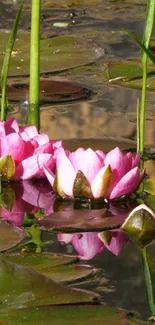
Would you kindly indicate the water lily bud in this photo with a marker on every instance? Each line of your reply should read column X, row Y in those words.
column 140, row 225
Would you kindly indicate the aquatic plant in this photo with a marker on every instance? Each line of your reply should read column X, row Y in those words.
column 27, row 150
column 34, row 93
column 94, row 174
column 6, row 62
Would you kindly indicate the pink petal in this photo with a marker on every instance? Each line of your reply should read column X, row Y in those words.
column 56, row 144
column 32, row 167
column 128, row 162
column 87, row 245
column 61, row 154
column 11, row 126
column 41, row 139
column 75, row 157
column 13, row 145
column 40, row 197
column 101, row 154
column 115, row 159
column 127, row 184
column 136, row 160
column 29, row 132
column 66, row 176
column 49, row 174
column 117, row 242
column 101, row 182
column 90, row 164
column 45, row 148
column 65, row 238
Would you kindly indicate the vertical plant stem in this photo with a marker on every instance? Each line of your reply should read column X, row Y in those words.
column 34, row 92
column 149, row 22
column 148, row 281
column 6, row 62
column 138, row 125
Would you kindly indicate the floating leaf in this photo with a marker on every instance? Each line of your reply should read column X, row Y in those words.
column 59, row 268
column 79, row 220
column 40, row 262
column 129, row 73
column 57, row 53
column 140, row 225
column 68, row 315
column 10, row 236
column 24, row 287
column 51, row 91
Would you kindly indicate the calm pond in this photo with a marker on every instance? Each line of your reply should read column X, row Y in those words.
column 56, row 265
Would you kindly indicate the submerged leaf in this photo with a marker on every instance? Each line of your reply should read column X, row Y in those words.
column 140, row 225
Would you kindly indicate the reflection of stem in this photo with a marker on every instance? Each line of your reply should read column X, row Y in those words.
column 148, row 281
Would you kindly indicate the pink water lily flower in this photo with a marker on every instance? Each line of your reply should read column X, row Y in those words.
column 94, row 174
column 29, row 149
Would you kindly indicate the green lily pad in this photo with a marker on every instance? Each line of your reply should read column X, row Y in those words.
column 67, row 315
column 22, row 286
column 129, row 73
column 68, row 273
column 10, row 236
column 59, row 268
column 57, row 54
column 40, row 262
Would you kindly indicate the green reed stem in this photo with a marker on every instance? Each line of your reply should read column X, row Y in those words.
column 149, row 22
column 148, row 281
column 138, row 125
column 34, row 92
column 6, row 62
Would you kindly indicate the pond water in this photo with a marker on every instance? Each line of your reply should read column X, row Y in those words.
column 81, row 43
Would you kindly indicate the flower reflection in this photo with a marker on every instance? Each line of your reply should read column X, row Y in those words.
column 27, row 197
column 89, row 244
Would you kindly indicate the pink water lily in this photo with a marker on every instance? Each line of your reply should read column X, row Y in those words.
column 29, row 149
column 94, row 174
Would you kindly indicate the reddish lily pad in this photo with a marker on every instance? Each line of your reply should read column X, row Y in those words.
column 10, row 236
column 79, row 220
column 57, row 53
column 50, row 91
column 129, row 73
column 68, row 315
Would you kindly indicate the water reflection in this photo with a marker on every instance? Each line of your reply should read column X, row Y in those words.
column 89, row 244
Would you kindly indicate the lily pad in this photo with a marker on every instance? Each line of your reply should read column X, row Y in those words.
column 21, row 286
column 53, row 266
column 40, row 262
column 57, row 53
column 67, row 315
column 10, row 236
column 79, row 220
column 50, row 91
column 105, row 144
column 129, row 73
